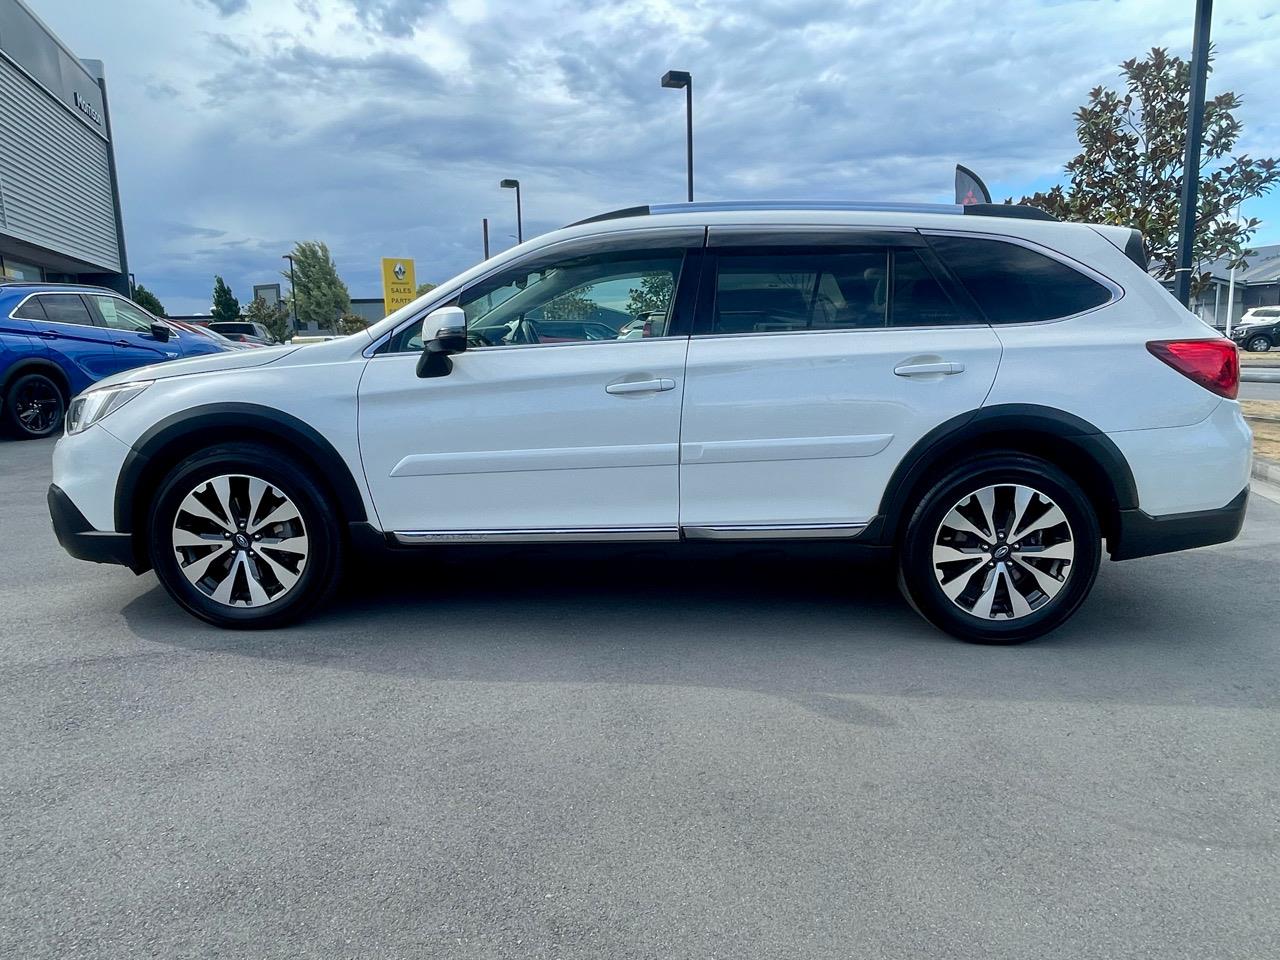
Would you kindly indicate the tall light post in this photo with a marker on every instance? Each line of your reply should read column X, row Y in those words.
column 293, row 289
column 675, row 79
column 1191, row 162
column 515, row 185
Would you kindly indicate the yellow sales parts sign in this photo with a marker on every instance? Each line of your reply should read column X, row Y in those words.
column 398, row 283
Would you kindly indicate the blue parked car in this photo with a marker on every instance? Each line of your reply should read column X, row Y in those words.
column 57, row 339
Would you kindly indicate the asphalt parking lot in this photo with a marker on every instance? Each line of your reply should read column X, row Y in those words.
column 635, row 755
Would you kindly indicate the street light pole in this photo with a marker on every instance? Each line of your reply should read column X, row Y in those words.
column 515, row 184
column 485, row 227
column 675, row 79
column 1191, row 163
column 293, row 289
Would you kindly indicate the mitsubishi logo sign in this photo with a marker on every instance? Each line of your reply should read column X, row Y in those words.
column 399, row 271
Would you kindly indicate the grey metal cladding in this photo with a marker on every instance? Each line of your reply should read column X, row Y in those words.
column 28, row 43
column 57, row 177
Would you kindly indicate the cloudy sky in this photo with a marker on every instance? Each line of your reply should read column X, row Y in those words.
column 383, row 126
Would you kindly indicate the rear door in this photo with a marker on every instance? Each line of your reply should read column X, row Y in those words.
column 65, row 326
column 818, row 360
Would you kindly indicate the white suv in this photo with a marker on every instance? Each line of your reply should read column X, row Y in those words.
column 981, row 394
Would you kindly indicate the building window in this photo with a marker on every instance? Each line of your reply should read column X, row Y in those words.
column 17, row 270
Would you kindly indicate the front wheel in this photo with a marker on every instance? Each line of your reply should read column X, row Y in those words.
column 243, row 537
column 33, row 406
column 1259, row 345
column 1003, row 549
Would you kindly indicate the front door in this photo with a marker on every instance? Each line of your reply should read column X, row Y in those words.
column 820, row 358
column 135, row 344
column 561, row 419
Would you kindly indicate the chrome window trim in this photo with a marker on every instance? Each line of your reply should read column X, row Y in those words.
column 652, row 232
column 536, row 346
column 886, row 329
column 52, row 293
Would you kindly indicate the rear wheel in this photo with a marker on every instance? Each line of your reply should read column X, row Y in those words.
column 34, row 406
column 1003, row 549
column 1259, row 345
column 242, row 537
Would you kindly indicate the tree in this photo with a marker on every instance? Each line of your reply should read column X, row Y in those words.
column 351, row 323
column 1130, row 166
column 424, row 288
column 653, row 294
column 273, row 316
column 147, row 300
column 321, row 296
column 225, row 306
column 569, row 306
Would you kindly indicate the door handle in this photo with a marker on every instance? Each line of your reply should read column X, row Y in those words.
column 48, row 334
column 122, row 343
column 945, row 367
column 640, row 386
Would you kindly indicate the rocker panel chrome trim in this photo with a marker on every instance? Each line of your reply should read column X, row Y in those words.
column 774, row 531
column 566, row 535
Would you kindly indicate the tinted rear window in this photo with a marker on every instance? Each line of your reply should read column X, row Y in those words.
column 66, row 308
column 1012, row 284
column 31, row 310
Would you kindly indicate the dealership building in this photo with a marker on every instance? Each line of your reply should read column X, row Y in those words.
column 59, row 197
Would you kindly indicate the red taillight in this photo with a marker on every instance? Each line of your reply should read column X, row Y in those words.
column 1214, row 364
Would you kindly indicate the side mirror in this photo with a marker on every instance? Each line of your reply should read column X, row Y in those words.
column 448, row 327
column 160, row 332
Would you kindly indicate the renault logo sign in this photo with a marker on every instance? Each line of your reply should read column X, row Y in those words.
column 398, row 286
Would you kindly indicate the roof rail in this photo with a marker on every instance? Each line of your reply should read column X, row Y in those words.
column 1018, row 211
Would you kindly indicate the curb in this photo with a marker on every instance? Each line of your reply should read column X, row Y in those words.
column 1260, row 375
column 1268, row 471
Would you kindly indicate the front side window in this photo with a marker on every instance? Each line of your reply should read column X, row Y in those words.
column 595, row 297
column 785, row 291
column 1012, row 284
column 119, row 315
column 66, row 308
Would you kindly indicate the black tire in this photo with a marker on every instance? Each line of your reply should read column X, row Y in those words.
column 921, row 586
column 34, row 406
column 320, row 570
column 1259, row 345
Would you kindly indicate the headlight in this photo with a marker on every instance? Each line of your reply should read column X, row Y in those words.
column 92, row 405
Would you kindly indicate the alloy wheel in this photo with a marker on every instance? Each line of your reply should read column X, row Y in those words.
column 1003, row 552
column 240, row 540
column 38, row 405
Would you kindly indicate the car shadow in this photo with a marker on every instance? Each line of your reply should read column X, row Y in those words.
column 817, row 630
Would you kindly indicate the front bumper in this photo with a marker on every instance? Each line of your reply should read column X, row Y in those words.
column 1142, row 535
column 82, row 541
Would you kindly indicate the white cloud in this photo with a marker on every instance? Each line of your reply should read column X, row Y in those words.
column 383, row 126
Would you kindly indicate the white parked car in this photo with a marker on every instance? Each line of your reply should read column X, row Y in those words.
column 985, row 397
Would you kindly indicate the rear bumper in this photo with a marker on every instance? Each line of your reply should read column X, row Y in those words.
column 78, row 537
column 1142, row 535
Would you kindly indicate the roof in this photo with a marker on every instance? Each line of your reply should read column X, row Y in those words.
column 51, row 287
column 1016, row 211
column 1262, row 265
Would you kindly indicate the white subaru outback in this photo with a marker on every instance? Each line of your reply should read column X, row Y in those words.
column 980, row 393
